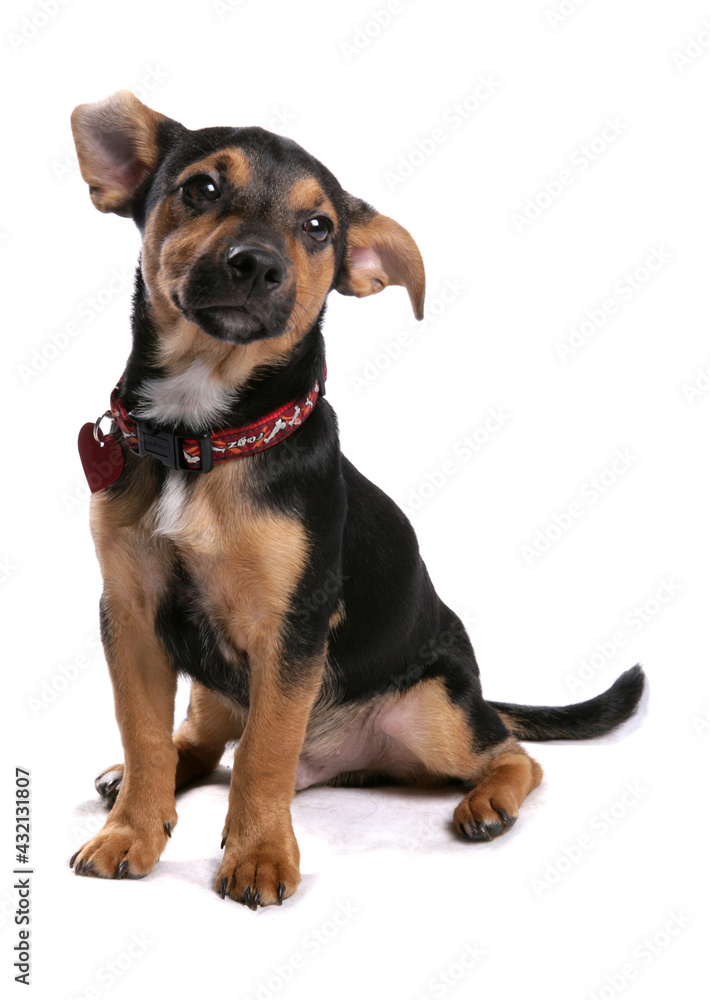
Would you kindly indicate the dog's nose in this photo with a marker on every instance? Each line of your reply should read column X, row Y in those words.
column 257, row 270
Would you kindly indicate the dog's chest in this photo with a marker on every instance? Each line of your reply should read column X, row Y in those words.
column 171, row 510
column 243, row 561
column 194, row 395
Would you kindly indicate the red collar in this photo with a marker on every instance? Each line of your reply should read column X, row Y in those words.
column 200, row 453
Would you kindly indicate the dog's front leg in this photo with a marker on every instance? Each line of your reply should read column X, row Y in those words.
column 261, row 856
column 144, row 685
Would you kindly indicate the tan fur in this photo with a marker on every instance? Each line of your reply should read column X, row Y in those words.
column 511, row 777
column 212, row 722
column 436, row 730
column 307, row 196
column 440, row 735
column 314, row 272
column 380, row 252
column 144, row 691
column 338, row 616
column 314, row 276
column 111, row 188
column 261, row 853
column 234, row 162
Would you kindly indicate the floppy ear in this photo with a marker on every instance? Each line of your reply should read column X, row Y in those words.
column 379, row 252
column 117, row 146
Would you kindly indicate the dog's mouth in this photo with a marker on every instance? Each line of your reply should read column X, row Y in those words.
column 236, row 321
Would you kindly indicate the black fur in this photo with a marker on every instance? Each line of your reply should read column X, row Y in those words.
column 581, row 721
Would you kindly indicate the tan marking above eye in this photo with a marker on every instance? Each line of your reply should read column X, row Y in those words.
column 231, row 161
column 307, row 195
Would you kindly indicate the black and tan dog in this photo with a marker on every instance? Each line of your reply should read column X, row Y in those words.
column 239, row 547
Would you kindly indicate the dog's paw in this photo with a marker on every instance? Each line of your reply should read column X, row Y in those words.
column 108, row 783
column 259, row 876
column 120, row 850
column 482, row 816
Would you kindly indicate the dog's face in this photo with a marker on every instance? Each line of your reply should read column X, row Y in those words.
column 244, row 233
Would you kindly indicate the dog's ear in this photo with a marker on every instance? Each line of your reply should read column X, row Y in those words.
column 117, row 145
column 379, row 252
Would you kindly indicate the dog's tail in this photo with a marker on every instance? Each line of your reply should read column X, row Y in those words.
column 576, row 722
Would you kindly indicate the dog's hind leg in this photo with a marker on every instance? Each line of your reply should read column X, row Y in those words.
column 211, row 723
column 491, row 807
column 450, row 742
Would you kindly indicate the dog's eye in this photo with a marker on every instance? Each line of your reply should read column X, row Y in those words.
column 318, row 227
column 200, row 188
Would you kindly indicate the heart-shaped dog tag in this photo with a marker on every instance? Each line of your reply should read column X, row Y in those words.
column 101, row 456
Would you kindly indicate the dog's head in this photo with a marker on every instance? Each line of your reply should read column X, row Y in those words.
column 244, row 233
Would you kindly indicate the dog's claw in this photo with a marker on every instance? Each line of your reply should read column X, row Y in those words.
column 223, row 888
column 478, row 831
column 281, row 891
column 73, row 858
column 224, row 841
column 79, row 868
column 168, row 829
column 122, row 870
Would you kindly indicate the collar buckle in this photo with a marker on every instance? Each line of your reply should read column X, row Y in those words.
column 166, row 446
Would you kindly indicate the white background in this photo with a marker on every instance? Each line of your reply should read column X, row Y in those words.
column 547, row 916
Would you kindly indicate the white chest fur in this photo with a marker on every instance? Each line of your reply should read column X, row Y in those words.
column 171, row 506
column 194, row 396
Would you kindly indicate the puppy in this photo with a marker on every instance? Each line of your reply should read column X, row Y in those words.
column 240, row 548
